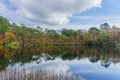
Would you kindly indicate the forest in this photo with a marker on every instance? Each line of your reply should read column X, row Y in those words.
column 12, row 35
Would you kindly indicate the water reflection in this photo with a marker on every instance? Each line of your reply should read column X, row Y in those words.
column 27, row 55
column 84, row 62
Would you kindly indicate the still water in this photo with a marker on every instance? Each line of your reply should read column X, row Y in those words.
column 85, row 63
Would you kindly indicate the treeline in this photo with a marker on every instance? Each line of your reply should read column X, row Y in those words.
column 21, row 35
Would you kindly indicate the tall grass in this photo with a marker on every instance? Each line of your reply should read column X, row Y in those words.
column 17, row 74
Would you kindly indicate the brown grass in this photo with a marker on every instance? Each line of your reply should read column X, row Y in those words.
column 17, row 74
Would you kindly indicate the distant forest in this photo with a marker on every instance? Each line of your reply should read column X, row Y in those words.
column 12, row 34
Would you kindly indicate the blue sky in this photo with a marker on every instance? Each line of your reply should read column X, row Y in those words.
column 58, row 14
column 109, row 9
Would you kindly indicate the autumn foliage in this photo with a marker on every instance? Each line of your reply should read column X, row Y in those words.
column 21, row 35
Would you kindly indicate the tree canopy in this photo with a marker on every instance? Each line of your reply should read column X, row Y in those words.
column 4, row 24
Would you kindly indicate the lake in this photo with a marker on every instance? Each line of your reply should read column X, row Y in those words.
column 84, row 63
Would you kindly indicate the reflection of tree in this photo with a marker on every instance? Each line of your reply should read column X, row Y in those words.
column 93, row 55
column 3, row 63
column 106, row 63
column 94, row 59
column 29, row 54
column 25, row 56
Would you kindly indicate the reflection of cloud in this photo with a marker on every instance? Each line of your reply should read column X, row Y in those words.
column 55, row 67
column 58, row 67
column 84, row 66
column 52, row 67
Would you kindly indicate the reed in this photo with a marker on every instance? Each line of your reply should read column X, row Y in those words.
column 18, row 74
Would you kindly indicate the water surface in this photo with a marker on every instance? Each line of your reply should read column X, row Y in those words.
column 85, row 63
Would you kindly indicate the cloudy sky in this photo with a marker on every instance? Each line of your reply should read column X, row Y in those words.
column 55, row 14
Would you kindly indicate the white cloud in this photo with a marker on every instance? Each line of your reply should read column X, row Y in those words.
column 52, row 12
column 89, row 21
column 98, row 18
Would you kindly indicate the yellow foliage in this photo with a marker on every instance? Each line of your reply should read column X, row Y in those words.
column 9, row 37
column 1, row 47
column 1, row 42
column 13, row 45
column 104, row 33
column 9, row 54
column 9, row 34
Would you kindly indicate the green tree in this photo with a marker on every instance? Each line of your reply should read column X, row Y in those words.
column 53, row 34
column 93, row 30
column 71, row 35
column 4, row 24
column 104, row 26
column 80, row 35
column 69, row 32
